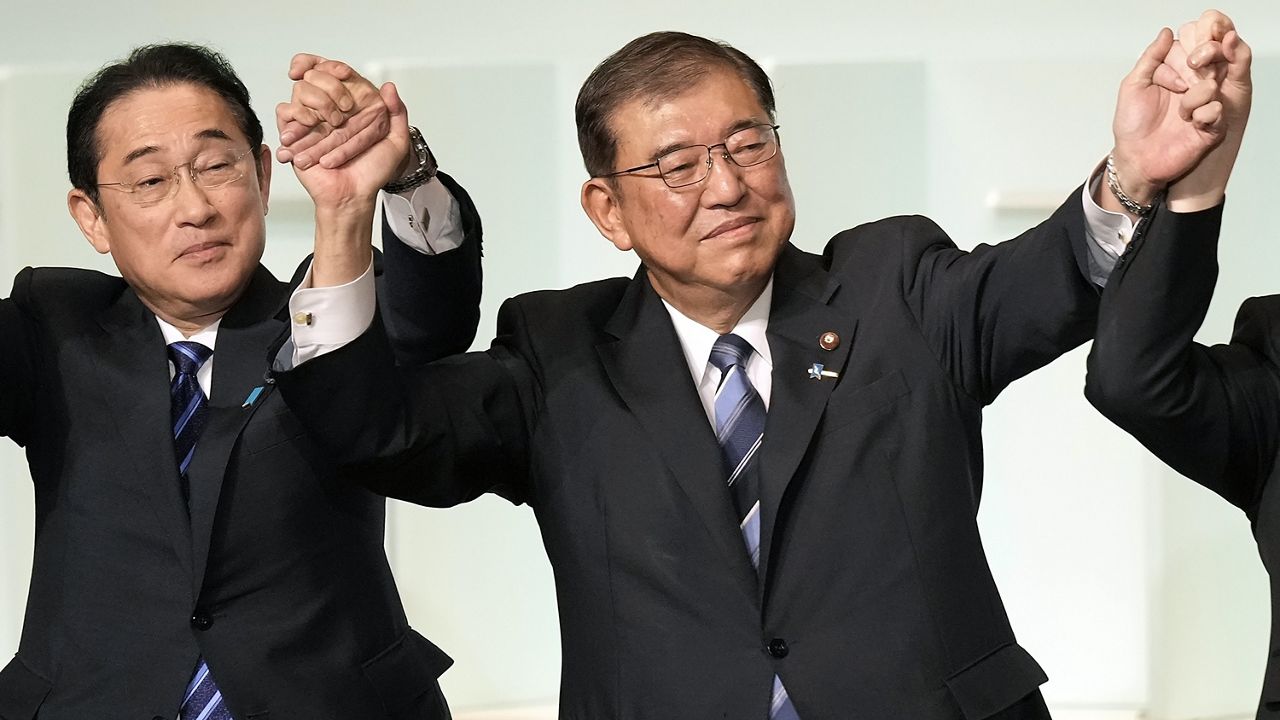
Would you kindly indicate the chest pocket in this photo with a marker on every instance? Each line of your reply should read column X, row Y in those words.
column 272, row 425
column 848, row 404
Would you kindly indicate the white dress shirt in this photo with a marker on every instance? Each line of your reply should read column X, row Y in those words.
column 696, row 340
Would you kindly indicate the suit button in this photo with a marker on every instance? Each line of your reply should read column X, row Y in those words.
column 201, row 621
column 778, row 648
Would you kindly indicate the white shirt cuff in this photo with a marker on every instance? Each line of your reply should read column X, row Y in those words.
column 325, row 319
column 1110, row 230
column 425, row 218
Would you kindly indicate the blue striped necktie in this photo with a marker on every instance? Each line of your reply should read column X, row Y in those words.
column 189, row 406
column 187, row 401
column 740, row 417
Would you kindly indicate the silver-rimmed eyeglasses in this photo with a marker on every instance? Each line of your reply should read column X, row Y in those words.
column 690, row 164
column 210, row 169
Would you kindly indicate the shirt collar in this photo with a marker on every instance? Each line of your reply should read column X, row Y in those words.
column 206, row 336
column 696, row 339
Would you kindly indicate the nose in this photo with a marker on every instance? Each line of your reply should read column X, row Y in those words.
column 191, row 202
column 724, row 185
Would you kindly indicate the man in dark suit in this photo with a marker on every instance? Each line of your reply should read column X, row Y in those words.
column 1211, row 413
column 200, row 557
column 756, row 470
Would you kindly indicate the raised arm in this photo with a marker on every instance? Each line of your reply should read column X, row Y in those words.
column 999, row 312
column 1211, row 413
column 337, row 125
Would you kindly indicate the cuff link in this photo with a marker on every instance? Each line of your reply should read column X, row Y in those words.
column 304, row 318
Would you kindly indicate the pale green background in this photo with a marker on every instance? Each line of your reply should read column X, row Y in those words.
column 1140, row 593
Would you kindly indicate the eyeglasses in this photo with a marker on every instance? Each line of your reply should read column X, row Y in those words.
column 688, row 165
column 210, row 169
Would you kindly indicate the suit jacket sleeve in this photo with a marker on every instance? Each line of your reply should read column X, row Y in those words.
column 437, row 434
column 1211, row 413
column 431, row 303
column 997, row 312
column 18, row 379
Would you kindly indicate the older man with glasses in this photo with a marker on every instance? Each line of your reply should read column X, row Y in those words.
column 757, row 470
column 196, row 553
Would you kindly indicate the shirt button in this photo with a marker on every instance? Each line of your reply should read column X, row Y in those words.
column 778, row 648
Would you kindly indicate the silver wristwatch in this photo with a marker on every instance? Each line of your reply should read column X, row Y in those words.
column 420, row 175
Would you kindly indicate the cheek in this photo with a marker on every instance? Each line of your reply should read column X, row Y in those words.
column 131, row 249
column 659, row 223
column 674, row 216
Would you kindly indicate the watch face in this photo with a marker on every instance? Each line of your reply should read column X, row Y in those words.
column 426, row 162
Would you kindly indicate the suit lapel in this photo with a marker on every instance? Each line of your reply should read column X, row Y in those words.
column 800, row 315
column 133, row 380
column 646, row 366
column 240, row 363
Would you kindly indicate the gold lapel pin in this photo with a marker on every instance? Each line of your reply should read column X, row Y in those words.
column 829, row 340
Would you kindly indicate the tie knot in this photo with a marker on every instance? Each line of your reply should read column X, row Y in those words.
column 188, row 356
column 730, row 350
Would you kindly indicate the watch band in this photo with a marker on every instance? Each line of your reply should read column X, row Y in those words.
column 420, row 175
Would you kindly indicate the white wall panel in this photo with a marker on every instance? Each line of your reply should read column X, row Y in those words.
column 856, row 143
column 1136, row 589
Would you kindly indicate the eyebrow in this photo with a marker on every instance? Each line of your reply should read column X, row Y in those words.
column 672, row 147
column 206, row 134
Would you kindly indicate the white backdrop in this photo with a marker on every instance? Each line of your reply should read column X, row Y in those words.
column 1138, row 592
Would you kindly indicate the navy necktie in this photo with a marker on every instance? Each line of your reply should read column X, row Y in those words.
column 188, row 405
column 740, row 418
column 188, row 408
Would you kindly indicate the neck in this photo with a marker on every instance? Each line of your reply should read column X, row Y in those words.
column 189, row 320
column 190, row 325
column 717, row 309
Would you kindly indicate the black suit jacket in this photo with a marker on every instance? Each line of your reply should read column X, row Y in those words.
column 275, row 573
column 875, row 600
column 1211, row 413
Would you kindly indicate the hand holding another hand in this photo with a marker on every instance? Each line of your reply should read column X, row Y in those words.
column 345, row 137
column 1213, row 54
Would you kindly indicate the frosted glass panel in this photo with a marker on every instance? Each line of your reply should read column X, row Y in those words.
column 475, row 578
column 492, row 128
column 36, row 227
column 855, row 141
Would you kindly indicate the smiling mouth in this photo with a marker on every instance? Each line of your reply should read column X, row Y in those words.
column 730, row 226
column 199, row 249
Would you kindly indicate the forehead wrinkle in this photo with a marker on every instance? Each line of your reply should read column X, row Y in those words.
column 146, row 150
column 692, row 82
column 673, row 146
